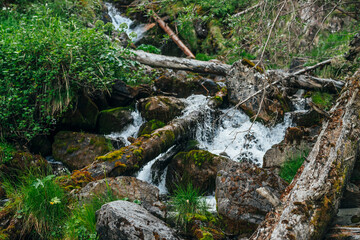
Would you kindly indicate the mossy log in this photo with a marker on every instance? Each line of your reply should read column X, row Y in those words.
column 127, row 160
column 313, row 197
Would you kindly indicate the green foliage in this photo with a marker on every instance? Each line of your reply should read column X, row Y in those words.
column 294, row 162
column 46, row 57
column 203, row 57
column 322, row 99
column 40, row 202
column 187, row 201
column 149, row 49
column 6, row 152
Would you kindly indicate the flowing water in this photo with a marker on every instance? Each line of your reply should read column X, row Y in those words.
column 123, row 23
column 130, row 131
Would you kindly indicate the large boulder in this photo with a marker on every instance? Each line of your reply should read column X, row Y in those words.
column 121, row 187
column 238, row 203
column 121, row 95
column 243, row 81
column 198, row 167
column 161, row 108
column 126, row 220
column 77, row 150
column 83, row 116
column 114, row 120
column 184, row 84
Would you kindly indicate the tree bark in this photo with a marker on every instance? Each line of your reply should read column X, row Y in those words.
column 156, row 60
column 313, row 197
column 173, row 36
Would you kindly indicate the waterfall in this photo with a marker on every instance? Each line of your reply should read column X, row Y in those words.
column 121, row 22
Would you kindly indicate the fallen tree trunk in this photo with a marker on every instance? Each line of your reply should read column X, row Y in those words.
column 156, row 60
column 291, row 80
column 313, row 197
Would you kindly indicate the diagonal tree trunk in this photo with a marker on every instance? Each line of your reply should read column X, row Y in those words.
column 313, row 197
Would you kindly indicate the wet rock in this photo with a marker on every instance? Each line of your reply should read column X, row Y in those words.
column 198, row 167
column 238, row 203
column 297, row 140
column 83, row 116
column 200, row 28
column 99, row 98
column 308, row 119
column 243, row 82
column 77, row 150
column 184, row 84
column 121, row 95
column 149, row 127
column 126, row 220
column 114, row 120
column 161, row 108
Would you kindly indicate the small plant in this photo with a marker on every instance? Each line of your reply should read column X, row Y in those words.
column 187, row 201
column 6, row 152
column 149, row 49
column 291, row 166
column 322, row 99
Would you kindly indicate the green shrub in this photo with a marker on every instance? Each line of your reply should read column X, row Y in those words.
column 187, row 201
column 46, row 58
column 289, row 169
column 6, row 152
column 149, row 49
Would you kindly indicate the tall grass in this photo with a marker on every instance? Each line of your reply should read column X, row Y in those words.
column 290, row 167
column 187, row 201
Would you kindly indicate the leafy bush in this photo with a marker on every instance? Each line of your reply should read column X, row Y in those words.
column 45, row 59
column 187, row 201
column 6, row 152
column 290, row 167
column 149, row 49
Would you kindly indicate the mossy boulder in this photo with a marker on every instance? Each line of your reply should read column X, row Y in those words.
column 198, row 167
column 82, row 116
column 77, row 150
column 239, row 205
column 114, row 120
column 149, row 127
column 161, row 108
column 205, row 227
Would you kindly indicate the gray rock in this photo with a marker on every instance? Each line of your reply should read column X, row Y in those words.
column 122, row 220
column 238, row 203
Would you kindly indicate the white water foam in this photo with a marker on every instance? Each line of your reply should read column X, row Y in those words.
column 236, row 139
column 130, row 130
column 117, row 20
column 145, row 173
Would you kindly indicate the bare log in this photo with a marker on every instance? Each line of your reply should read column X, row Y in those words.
column 156, row 60
column 248, row 10
column 304, row 70
column 173, row 36
column 312, row 199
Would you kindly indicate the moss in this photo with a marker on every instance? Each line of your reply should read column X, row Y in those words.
column 72, row 149
column 207, row 236
column 118, row 109
column 120, row 164
column 147, row 105
column 199, row 157
column 112, row 156
column 322, row 99
column 249, row 63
